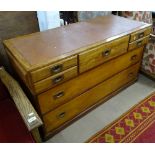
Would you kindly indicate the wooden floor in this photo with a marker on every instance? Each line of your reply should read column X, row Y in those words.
column 94, row 121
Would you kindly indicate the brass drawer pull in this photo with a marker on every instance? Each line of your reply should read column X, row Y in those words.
column 57, row 68
column 58, row 95
column 106, row 53
column 139, row 43
column 134, row 57
column 58, row 79
column 61, row 115
column 140, row 35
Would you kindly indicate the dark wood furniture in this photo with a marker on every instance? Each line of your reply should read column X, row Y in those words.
column 72, row 69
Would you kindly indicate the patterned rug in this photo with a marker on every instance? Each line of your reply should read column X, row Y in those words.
column 136, row 125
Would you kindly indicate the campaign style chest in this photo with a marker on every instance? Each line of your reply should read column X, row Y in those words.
column 72, row 69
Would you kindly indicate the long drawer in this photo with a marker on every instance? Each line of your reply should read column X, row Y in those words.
column 55, row 80
column 60, row 94
column 69, row 110
column 102, row 53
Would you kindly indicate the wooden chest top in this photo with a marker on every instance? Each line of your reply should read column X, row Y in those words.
column 42, row 48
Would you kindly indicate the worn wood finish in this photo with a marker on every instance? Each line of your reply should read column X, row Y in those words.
column 36, row 135
column 138, row 43
column 52, row 46
column 85, row 100
column 140, row 34
column 28, row 113
column 21, row 72
column 75, row 51
column 55, row 80
column 86, row 111
column 103, row 53
column 70, row 39
column 61, row 94
column 54, row 69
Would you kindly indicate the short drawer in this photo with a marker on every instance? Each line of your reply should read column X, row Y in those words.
column 61, row 94
column 100, row 54
column 55, row 80
column 138, row 43
column 53, row 69
column 66, row 112
column 140, row 34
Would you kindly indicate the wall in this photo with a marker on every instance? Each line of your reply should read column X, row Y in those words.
column 84, row 15
column 48, row 19
column 15, row 23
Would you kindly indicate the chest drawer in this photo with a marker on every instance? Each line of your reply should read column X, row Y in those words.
column 53, row 69
column 55, row 80
column 105, row 52
column 140, row 34
column 69, row 110
column 138, row 43
column 60, row 94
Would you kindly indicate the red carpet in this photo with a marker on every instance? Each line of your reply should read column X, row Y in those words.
column 136, row 125
column 12, row 127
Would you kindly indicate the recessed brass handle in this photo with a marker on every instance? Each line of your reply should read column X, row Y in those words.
column 139, row 43
column 61, row 115
column 134, row 57
column 140, row 35
column 58, row 95
column 57, row 68
column 58, row 79
column 106, row 53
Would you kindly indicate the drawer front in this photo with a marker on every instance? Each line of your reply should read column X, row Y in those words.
column 55, row 80
column 53, row 69
column 61, row 94
column 69, row 110
column 138, row 43
column 105, row 52
column 140, row 34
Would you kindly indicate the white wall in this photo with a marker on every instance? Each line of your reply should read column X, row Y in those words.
column 48, row 19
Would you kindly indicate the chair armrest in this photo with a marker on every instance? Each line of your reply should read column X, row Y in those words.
column 26, row 110
column 152, row 35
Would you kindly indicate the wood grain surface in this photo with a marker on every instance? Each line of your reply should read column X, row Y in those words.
column 140, row 34
column 48, row 71
column 42, row 47
column 138, row 43
column 103, row 53
column 77, row 105
column 71, row 68
column 78, row 85
column 48, row 83
column 28, row 113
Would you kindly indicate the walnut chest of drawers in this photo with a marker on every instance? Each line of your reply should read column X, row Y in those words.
column 72, row 69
